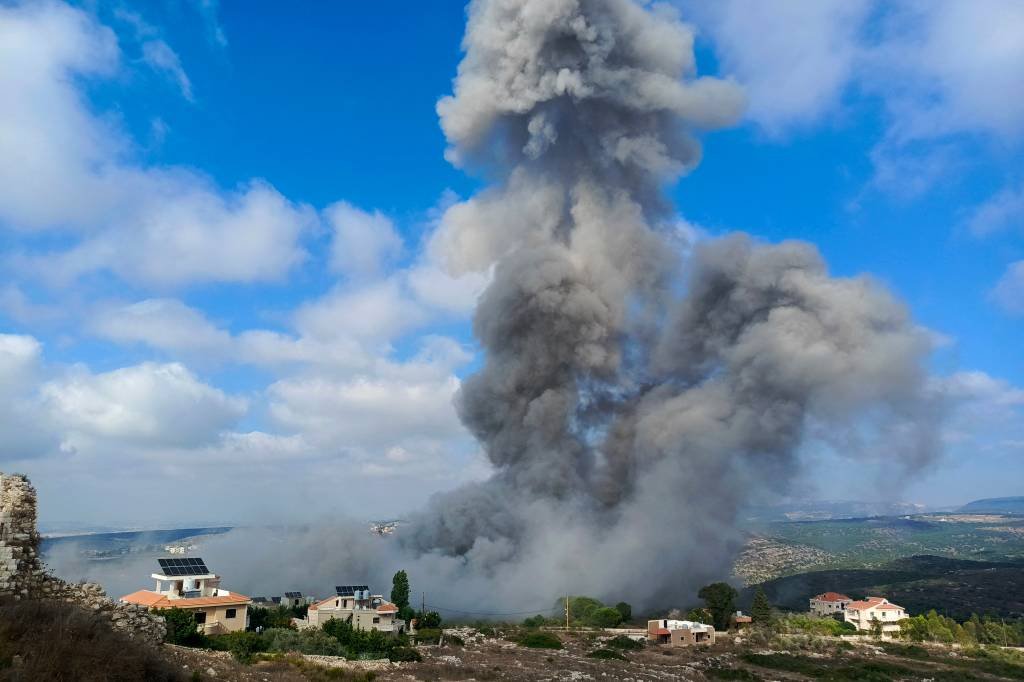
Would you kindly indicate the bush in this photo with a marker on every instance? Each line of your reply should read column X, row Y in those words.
column 624, row 642
column 404, row 654
column 430, row 619
column 534, row 621
column 625, row 610
column 58, row 641
column 428, row 636
column 607, row 654
column 182, row 628
column 242, row 645
column 540, row 640
column 313, row 641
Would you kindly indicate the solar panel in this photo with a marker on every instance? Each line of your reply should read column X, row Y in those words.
column 183, row 567
column 293, row 595
column 350, row 590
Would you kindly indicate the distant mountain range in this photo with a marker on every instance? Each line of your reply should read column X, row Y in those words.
column 995, row 505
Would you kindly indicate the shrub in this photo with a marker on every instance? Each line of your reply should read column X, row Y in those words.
column 58, row 641
column 625, row 610
column 534, row 621
column 430, row 619
column 312, row 641
column 182, row 628
column 428, row 636
column 540, row 640
column 607, row 654
column 404, row 654
column 623, row 642
column 242, row 645
column 741, row 674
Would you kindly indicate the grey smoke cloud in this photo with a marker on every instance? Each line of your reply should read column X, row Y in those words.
column 630, row 403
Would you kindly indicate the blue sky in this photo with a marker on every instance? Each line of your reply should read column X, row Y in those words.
column 216, row 220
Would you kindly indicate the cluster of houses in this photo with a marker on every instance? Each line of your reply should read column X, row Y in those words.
column 872, row 613
column 186, row 583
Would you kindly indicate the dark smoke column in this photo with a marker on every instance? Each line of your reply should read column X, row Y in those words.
column 626, row 424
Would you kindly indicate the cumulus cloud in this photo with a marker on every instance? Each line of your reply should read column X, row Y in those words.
column 142, row 406
column 162, row 323
column 160, row 227
column 794, row 58
column 364, row 244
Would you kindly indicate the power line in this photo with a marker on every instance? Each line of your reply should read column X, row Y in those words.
column 494, row 613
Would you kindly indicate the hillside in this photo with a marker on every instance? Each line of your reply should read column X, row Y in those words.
column 954, row 587
column 995, row 505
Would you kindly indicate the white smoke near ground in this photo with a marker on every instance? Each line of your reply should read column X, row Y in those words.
column 631, row 405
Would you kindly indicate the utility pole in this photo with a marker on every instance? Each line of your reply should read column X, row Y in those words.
column 566, row 613
column 423, row 603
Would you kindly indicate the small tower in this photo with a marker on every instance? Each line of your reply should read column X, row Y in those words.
column 21, row 571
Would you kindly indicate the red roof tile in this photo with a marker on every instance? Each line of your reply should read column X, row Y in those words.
column 155, row 600
column 832, row 596
column 660, row 631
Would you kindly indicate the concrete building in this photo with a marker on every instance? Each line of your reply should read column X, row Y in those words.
column 356, row 605
column 875, row 610
column 679, row 632
column 829, row 604
column 186, row 583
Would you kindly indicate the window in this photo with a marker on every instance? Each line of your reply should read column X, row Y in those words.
column 376, row 620
column 230, row 613
column 200, row 617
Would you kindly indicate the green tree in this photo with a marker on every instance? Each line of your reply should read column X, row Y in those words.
column 625, row 610
column 761, row 610
column 605, row 617
column 430, row 619
column 700, row 615
column 720, row 600
column 400, row 595
column 182, row 628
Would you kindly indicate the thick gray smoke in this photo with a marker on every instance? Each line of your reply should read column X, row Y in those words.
column 630, row 403
column 630, row 410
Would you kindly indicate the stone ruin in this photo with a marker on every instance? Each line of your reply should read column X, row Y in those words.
column 24, row 576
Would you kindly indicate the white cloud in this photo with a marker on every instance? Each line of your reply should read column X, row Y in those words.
column 19, row 361
column 374, row 314
column 1004, row 210
column 941, row 66
column 794, row 58
column 160, row 227
column 163, row 323
column 364, row 244
column 147, row 405
column 1009, row 291
column 160, row 56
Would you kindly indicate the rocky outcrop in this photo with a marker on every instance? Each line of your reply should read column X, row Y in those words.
column 23, row 574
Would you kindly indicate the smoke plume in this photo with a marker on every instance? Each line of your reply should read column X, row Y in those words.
column 631, row 405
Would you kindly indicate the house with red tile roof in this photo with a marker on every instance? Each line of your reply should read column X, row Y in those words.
column 186, row 583
column 829, row 604
column 875, row 612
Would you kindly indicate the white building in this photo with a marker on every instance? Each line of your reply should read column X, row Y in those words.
column 828, row 604
column 875, row 610
column 354, row 604
column 679, row 632
column 186, row 583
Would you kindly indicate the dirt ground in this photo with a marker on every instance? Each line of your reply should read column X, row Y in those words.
column 484, row 658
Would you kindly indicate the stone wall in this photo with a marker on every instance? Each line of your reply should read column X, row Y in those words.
column 23, row 575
